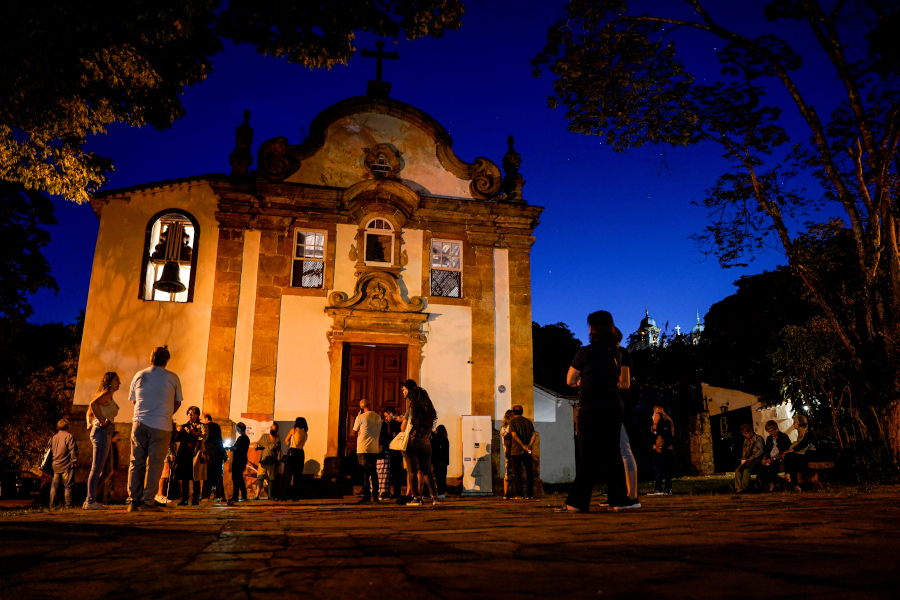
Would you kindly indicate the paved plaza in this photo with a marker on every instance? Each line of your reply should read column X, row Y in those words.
column 815, row 545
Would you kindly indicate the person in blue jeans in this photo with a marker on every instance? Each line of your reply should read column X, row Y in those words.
column 65, row 454
column 100, row 414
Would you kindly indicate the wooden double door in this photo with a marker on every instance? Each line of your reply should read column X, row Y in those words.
column 374, row 373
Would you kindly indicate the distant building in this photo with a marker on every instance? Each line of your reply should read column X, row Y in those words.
column 697, row 330
column 650, row 335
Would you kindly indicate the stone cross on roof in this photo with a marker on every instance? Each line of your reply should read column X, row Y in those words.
column 380, row 55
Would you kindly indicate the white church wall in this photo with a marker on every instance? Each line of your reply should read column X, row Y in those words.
column 502, row 350
column 447, row 374
column 411, row 276
column 553, row 422
column 344, row 268
column 243, row 337
column 339, row 162
column 121, row 330
column 302, row 372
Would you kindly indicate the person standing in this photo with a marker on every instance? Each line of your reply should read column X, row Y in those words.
column 270, row 445
column 420, row 417
column 156, row 394
column 523, row 435
column 663, row 432
column 190, row 462
column 296, row 459
column 397, row 471
column 628, row 461
column 368, row 427
column 751, row 454
column 506, row 438
column 595, row 371
column 383, row 464
column 440, row 459
column 215, row 452
column 239, row 464
column 65, row 455
column 100, row 414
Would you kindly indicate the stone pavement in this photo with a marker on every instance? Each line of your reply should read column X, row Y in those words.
column 817, row 545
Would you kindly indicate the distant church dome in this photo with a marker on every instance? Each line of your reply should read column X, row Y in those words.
column 699, row 327
column 647, row 321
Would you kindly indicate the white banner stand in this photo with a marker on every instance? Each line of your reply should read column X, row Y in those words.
column 476, row 455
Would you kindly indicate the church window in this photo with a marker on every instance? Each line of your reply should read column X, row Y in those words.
column 170, row 250
column 380, row 167
column 309, row 259
column 380, row 242
column 446, row 268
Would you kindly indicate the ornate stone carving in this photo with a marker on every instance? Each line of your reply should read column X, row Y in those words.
column 354, row 254
column 512, row 181
column 485, row 179
column 383, row 161
column 377, row 291
column 404, row 258
column 241, row 158
column 277, row 159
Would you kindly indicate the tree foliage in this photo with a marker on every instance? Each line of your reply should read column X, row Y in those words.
column 71, row 69
column 554, row 348
column 37, row 382
column 618, row 73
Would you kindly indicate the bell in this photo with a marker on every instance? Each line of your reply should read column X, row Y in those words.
column 169, row 281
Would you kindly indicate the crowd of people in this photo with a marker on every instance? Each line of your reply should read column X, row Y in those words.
column 188, row 460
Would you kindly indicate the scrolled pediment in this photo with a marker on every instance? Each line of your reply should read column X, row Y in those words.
column 377, row 291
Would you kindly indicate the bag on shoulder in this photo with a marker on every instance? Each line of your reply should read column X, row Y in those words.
column 47, row 461
column 401, row 440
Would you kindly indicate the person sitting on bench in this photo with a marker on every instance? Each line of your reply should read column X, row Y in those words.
column 777, row 443
column 754, row 448
column 801, row 452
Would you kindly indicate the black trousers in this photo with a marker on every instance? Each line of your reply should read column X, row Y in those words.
column 440, row 478
column 215, row 471
column 369, row 463
column 398, row 473
column 516, row 463
column 598, row 443
column 185, row 491
column 292, row 477
column 237, row 480
column 769, row 473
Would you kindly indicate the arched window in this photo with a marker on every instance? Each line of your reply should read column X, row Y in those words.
column 380, row 242
column 170, row 257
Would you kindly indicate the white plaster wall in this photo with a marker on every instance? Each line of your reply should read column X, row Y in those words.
column 502, row 351
column 411, row 276
column 447, row 374
column 339, row 162
column 302, row 372
column 553, row 422
column 243, row 337
column 120, row 330
column 344, row 268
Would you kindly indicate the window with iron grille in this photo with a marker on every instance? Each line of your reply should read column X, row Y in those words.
column 309, row 259
column 446, row 268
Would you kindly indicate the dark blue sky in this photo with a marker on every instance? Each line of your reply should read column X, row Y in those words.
column 614, row 233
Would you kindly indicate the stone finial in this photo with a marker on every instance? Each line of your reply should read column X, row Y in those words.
column 241, row 158
column 512, row 181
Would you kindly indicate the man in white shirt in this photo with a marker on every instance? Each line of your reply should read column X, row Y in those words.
column 156, row 394
column 368, row 426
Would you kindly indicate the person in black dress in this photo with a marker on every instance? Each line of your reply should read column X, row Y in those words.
column 239, row 463
column 595, row 372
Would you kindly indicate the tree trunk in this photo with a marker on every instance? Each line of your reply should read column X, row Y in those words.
column 890, row 425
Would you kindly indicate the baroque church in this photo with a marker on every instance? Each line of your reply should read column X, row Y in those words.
column 650, row 335
column 366, row 255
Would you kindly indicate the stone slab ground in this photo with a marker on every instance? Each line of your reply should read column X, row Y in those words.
column 818, row 545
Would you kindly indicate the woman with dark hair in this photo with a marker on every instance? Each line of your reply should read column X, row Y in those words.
column 421, row 417
column 100, row 414
column 190, row 462
column 295, row 459
column 595, row 371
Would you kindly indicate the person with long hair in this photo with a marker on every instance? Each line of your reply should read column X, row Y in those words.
column 506, row 439
column 595, row 371
column 295, row 459
column 100, row 414
column 190, row 462
column 421, row 417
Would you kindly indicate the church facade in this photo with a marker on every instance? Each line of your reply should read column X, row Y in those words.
column 368, row 254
